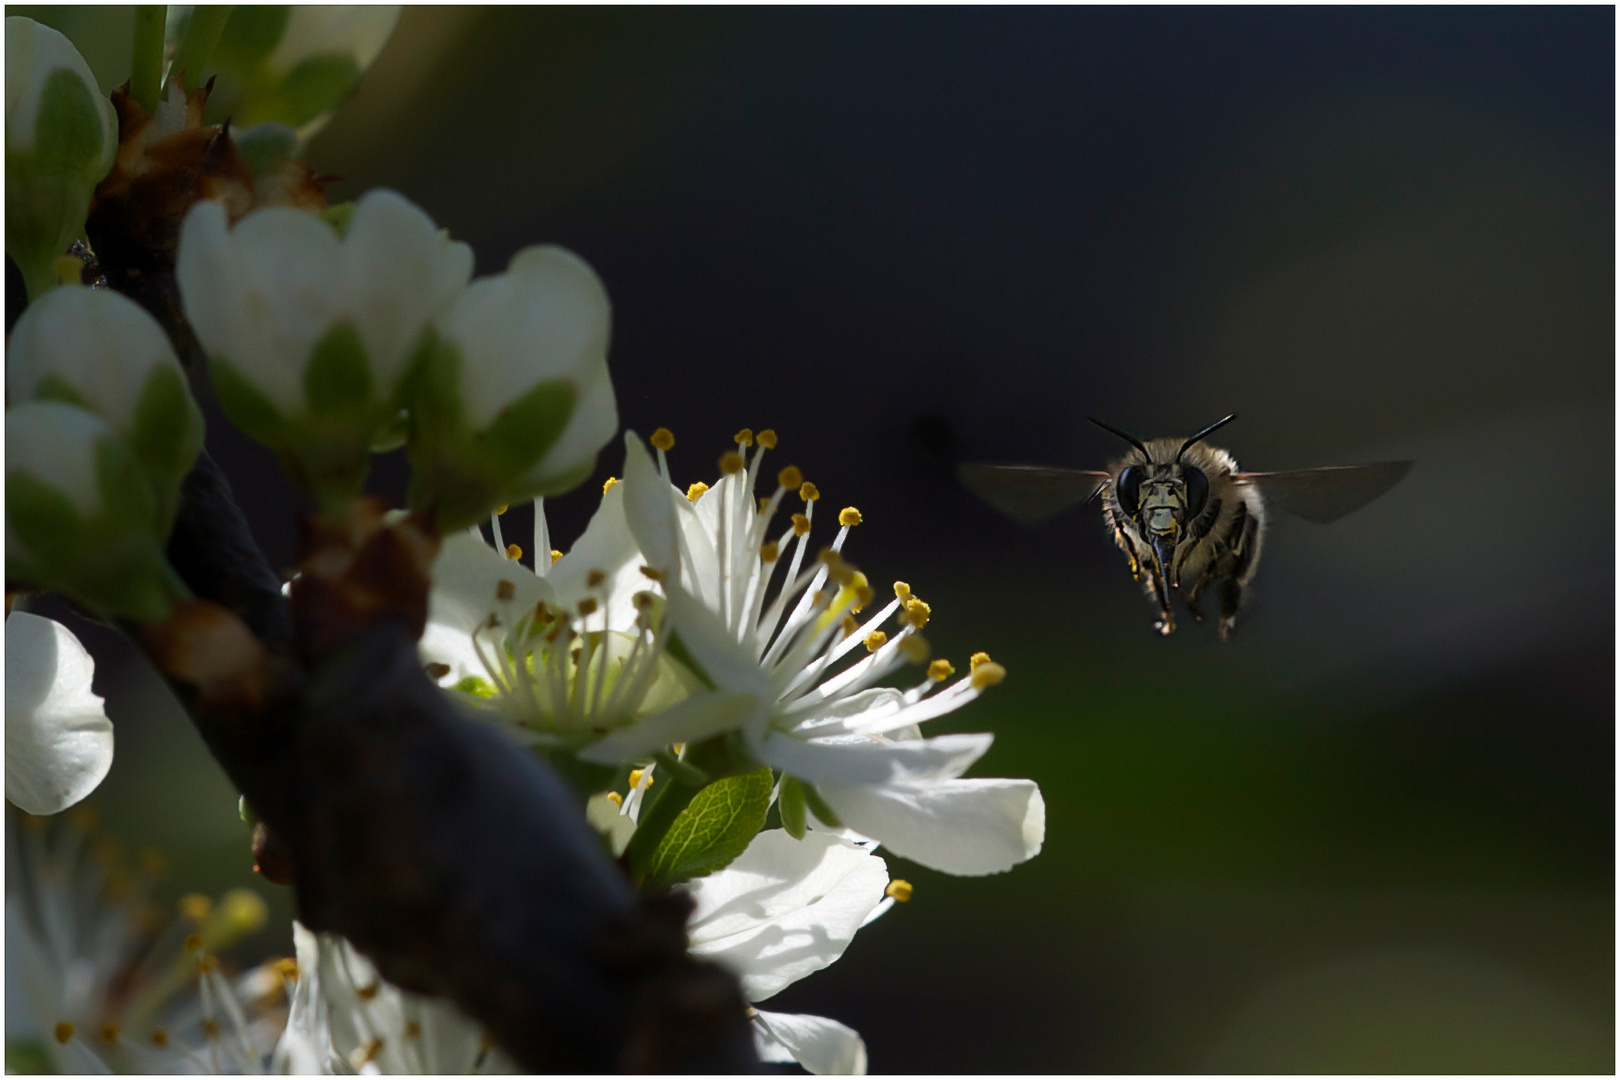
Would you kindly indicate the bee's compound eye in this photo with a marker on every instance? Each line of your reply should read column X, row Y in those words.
column 1129, row 488
column 1197, row 489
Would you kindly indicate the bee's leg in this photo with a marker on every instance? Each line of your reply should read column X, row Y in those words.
column 1245, row 547
column 1167, row 617
column 1231, row 600
column 1190, row 597
column 1125, row 544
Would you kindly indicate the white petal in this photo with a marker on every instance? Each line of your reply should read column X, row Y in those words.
column 824, row 1047
column 56, row 443
column 729, row 664
column 592, row 423
column 861, row 759
column 966, row 827
column 59, row 742
column 650, row 507
column 606, row 546
column 784, row 908
column 469, row 578
column 700, row 716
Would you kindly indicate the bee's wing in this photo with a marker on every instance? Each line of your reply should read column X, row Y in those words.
column 1029, row 494
column 1327, row 494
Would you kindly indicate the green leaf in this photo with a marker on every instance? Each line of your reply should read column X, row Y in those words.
column 791, row 802
column 714, row 828
column 338, row 379
column 246, row 407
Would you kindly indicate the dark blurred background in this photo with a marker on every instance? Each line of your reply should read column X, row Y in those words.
column 1374, row 832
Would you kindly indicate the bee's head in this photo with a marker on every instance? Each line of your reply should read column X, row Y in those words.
column 1162, row 496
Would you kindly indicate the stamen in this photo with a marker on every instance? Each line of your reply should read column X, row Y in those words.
column 809, row 492
column 555, row 555
column 505, row 590
column 988, row 673
column 656, row 575
column 109, row 1033
column 160, row 1037
column 413, row 1028
column 767, row 438
column 206, row 963
column 696, row 491
column 436, row 671
column 501, row 509
column 607, row 485
column 210, row 1028
column 849, row 625
column 615, row 798
column 976, row 659
column 790, row 477
column 849, row 517
column 745, row 437
column 637, row 775
column 902, row 590
column 587, row 606
column 768, row 552
column 663, row 439
column 287, row 968
column 594, row 578
column 875, row 640
column 192, row 943
column 915, row 648
column 196, row 907
column 731, row 463
column 64, row 1032
column 940, row 670
column 801, row 525
column 916, row 612
column 764, row 503
column 514, row 552
column 900, row 889
column 366, row 993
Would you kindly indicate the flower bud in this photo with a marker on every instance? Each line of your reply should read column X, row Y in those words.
column 80, row 515
column 292, row 64
column 514, row 399
column 99, row 350
column 60, row 138
column 310, row 337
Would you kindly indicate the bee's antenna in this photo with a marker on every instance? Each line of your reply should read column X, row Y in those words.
column 1219, row 423
column 1133, row 440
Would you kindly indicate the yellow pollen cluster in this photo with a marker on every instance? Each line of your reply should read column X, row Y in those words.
column 849, row 517
column 505, row 590
column 607, row 485
column 501, row 509
column 768, row 552
column 900, row 889
column 915, row 648
column 64, row 1032
column 286, row 967
column 615, row 798
column 901, row 590
column 555, row 554
column 745, row 437
column 849, row 625
column 790, row 477
column 978, row 658
column 767, row 438
column 916, row 612
column 731, row 463
column 988, row 673
column 809, row 492
column 636, row 776
column 940, row 670
column 514, row 552
column 695, row 492
column 109, row 1033
column 196, row 907
column 801, row 525
column 663, row 439
column 594, row 578
column 206, row 963
column 875, row 640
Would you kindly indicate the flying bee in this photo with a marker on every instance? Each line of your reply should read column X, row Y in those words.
column 1185, row 516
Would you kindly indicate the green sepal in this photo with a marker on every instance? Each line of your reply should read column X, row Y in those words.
column 823, row 812
column 246, row 407
column 338, row 217
column 587, row 777
column 714, row 829
column 263, row 145
column 53, row 387
column 167, row 436
column 250, row 35
column 790, row 801
column 337, row 379
column 315, row 85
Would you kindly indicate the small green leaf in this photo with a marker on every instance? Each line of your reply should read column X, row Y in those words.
column 338, row 379
column 714, row 829
column 790, row 801
column 246, row 407
column 168, row 427
column 523, row 431
column 336, row 216
column 823, row 812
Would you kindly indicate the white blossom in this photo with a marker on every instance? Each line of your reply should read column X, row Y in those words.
column 59, row 742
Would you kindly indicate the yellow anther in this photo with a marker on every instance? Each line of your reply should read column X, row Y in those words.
column 64, row 1032
column 413, row 1028
column 745, row 437
column 153, row 864
column 849, row 625
column 587, row 606
column 506, row 590
column 643, row 600
column 607, row 485
column 767, row 438
column 849, row 516
column 373, row 1048
column 988, row 673
column 801, row 525
column 637, row 775
column 594, row 578
column 286, row 967
column 790, row 477
column 192, row 943
column 436, row 671
column 663, row 439
column 243, row 912
column 768, row 552
column 514, row 552
column 206, row 963
column 82, row 817
column 196, row 907
column 109, row 1033
column 160, row 1037
column 731, row 463
column 915, row 648
column 916, row 612
column 369, row 991
column 615, row 798
column 501, row 509
column 875, row 640
column 210, row 1028
column 940, row 670
column 863, row 590
column 809, row 492
column 764, row 503
column 555, row 554
column 649, row 572
column 901, row 590
column 978, row 658
column 900, row 889
column 695, row 492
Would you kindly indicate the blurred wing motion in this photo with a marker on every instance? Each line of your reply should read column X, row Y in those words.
column 1327, row 494
column 1029, row 494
